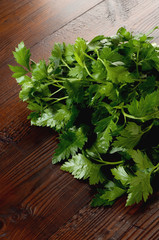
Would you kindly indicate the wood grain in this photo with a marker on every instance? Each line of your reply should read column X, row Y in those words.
column 43, row 17
column 38, row 200
column 121, row 223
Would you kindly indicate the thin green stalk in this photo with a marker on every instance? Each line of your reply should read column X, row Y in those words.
column 57, row 91
column 148, row 128
column 137, row 62
column 137, row 118
column 102, row 61
column 108, row 163
column 55, row 85
column 89, row 57
column 156, row 169
column 65, row 64
column 64, row 79
column 58, row 85
column 59, row 99
column 88, row 71
column 100, row 160
column 100, row 58
column 130, row 116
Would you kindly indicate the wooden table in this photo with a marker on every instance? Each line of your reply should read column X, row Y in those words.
column 38, row 200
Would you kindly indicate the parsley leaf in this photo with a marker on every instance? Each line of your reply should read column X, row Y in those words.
column 140, row 188
column 56, row 54
column 69, row 53
column 40, row 71
column 70, row 142
column 104, row 138
column 108, row 195
column 26, row 91
column 141, row 159
column 129, row 136
column 120, row 174
column 112, row 192
column 77, row 71
column 97, row 201
column 53, row 118
column 18, row 71
column 99, row 71
column 22, row 55
column 81, row 167
column 146, row 108
column 118, row 74
column 80, row 47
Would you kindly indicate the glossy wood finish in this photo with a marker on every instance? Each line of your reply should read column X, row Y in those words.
column 37, row 200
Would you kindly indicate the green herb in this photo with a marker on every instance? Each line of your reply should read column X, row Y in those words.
column 102, row 97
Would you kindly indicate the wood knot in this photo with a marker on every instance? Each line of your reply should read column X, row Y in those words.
column 2, row 227
column 1, row 224
column 19, row 214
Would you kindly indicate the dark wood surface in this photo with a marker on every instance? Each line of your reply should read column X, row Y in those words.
column 38, row 200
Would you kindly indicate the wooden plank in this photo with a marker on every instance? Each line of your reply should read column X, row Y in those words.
column 34, row 21
column 98, row 20
column 36, row 214
column 117, row 222
column 7, row 6
column 32, row 189
column 49, row 199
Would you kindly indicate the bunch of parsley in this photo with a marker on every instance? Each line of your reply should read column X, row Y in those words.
column 102, row 97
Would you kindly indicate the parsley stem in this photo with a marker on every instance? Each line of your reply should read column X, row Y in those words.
column 108, row 163
column 58, row 85
column 88, row 71
column 137, row 62
column 156, row 168
column 57, row 80
column 52, row 80
column 68, row 79
column 65, row 64
column 59, row 99
column 129, row 116
column 99, row 159
column 89, row 56
column 57, row 91
column 101, row 61
column 144, row 118
column 148, row 128
column 151, row 31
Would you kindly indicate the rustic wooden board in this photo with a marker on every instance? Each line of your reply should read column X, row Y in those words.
column 38, row 200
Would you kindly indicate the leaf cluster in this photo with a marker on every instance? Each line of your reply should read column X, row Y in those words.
column 102, row 97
